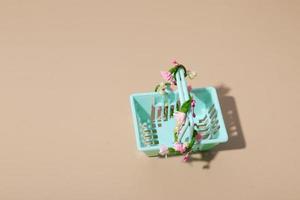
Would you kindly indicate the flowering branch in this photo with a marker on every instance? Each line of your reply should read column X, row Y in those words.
column 180, row 116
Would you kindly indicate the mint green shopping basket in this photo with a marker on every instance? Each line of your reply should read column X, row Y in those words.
column 153, row 118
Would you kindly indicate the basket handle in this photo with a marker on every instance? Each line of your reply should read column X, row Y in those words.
column 183, row 97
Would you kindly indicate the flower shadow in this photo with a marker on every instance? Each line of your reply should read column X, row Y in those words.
column 236, row 139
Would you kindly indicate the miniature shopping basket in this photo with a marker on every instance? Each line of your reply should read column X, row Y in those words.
column 154, row 122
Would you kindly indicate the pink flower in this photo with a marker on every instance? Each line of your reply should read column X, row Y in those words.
column 163, row 150
column 186, row 158
column 174, row 62
column 179, row 117
column 198, row 137
column 190, row 88
column 173, row 87
column 180, row 147
column 167, row 75
column 193, row 103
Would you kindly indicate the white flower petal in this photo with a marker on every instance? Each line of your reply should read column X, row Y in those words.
column 191, row 74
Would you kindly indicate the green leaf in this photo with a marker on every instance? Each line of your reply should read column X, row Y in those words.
column 192, row 142
column 156, row 88
column 182, row 67
column 186, row 106
column 175, row 136
column 195, row 133
column 173, row 69
column 171, row 150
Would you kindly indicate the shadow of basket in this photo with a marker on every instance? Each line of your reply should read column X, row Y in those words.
column 236, row 139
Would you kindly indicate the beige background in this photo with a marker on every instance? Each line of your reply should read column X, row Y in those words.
column 67, row 69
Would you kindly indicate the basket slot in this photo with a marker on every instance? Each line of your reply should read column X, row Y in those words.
column 209, row 125
column 148, row 135
column 152, row 116
column 157, row 118
column 166, row 112
column 159, row 111
column 172, row 109
column 162, row 112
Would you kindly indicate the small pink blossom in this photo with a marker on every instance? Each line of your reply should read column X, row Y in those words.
column 179, row 117
column 186, row 158
column 193, row 103
column 174, row 62
column 173, row 87
column 163, row 150
column 167, row 75
column 180, row 147
column 190, row 88
column 198, row 137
